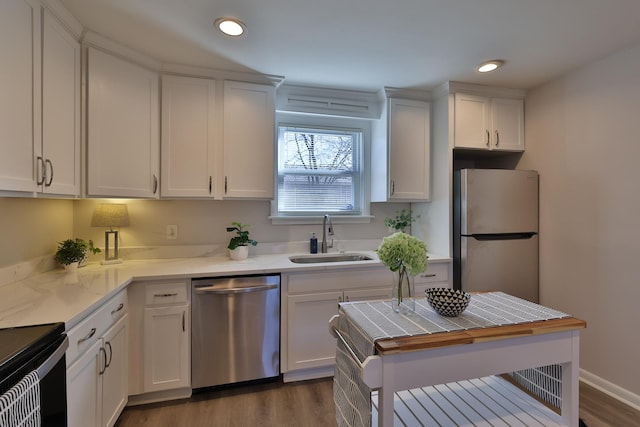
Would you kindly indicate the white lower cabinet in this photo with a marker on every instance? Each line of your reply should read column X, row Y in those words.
column 97, row 366
column 436, row 276
column 83, row 388
column 114, row 376
column 159, row 341
column 311, row 300
column 166, row 355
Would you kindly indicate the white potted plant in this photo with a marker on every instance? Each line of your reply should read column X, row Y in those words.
column 71, row 252
column 239, row 244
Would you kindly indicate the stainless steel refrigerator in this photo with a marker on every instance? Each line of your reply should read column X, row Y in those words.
column 495, row 241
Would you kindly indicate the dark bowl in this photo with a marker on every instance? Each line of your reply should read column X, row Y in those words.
column 447, row 302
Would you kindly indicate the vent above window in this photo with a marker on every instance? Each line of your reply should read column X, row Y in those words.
column 330, row 102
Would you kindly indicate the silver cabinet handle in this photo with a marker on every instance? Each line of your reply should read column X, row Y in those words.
column 108, row 360
column 167, row 295
column 104, row 366
column 41, row 171
column 428, row 275
column 184, row 328
column 120, row 307
column 155, row 183
column 497, row 138
column 488, row 137
column 225, row 185
column 91, row 333
column 393, row 187
column 210, row 184
column 50, row 180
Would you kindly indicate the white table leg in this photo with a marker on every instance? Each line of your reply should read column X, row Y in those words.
column 571, row 385
column 385, row 407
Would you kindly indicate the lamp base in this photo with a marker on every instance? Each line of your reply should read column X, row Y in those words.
column 111, row 261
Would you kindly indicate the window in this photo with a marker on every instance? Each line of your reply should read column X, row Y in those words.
column 320, row 165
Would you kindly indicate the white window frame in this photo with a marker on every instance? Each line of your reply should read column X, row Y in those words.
column 328, row 122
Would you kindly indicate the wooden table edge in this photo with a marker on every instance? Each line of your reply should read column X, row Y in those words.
column 473, row 336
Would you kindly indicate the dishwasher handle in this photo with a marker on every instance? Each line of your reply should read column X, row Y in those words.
column 239, row 290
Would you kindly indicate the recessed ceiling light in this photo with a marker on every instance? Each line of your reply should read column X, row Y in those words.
column 230, row 26
column 489, row 66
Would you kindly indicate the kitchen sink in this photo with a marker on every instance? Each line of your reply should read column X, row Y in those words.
column 312, row 259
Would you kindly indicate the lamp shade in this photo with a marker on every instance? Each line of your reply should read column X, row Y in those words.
column 110, row 215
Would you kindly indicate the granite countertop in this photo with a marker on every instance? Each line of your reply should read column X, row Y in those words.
column 58, row 296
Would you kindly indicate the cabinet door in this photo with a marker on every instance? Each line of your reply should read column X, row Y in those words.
column 20, row 89
column 84, row 388
column 507, row 122
column 115, row 378
column 167, row 363
column 368, row 294
column 188, row 137
column 409, row 150
column 249, row 134
column 472, row 121
column 60, row 110
column 310, row 345
column 123, row 136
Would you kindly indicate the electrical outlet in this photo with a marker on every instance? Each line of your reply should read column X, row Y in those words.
column 172, row 232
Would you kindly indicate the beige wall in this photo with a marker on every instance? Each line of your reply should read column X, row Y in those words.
column 202, row 222
column 583, row 135
column 30, row 228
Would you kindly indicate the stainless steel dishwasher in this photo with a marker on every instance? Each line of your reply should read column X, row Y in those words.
column 235, row 331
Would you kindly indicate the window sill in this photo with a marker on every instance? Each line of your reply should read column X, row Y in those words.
column 335, row 219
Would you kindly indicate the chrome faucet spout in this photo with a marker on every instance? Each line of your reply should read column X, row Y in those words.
column 324, row 245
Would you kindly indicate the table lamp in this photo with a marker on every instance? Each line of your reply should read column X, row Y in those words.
column 110, row 215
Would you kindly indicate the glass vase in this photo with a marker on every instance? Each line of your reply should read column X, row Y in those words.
column 403, row 292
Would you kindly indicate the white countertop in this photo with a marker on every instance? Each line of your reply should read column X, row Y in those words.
column 58, row 296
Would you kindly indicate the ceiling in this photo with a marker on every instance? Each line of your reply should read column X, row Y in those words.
column 369, row 44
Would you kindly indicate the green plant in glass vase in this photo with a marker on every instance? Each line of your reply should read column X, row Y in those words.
column 406, row 256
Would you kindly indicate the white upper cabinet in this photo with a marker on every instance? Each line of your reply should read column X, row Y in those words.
column 189, row 138
column 20, row 93
column 40, row 102
column 123, row 144
column 401, row 153
column 488, row 123
column 58, row 168
column 507, row 122
column 249, row 134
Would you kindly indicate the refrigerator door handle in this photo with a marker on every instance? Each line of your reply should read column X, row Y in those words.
column 503, row 236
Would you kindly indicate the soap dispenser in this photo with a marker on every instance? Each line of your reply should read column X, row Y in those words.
column 313, row 244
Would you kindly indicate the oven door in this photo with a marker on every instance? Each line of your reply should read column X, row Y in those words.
column 33, row 375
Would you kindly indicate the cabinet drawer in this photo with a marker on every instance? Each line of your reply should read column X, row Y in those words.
column 166, row 293
column 339, row 279
column 88, row 331
column 436, row 272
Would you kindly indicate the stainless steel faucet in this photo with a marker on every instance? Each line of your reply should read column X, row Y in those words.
column 324, row 246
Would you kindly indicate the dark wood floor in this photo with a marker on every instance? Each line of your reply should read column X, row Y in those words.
column 310, row 404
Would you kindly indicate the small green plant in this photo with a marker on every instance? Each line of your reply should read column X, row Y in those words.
column 242, row 238
column 74, row 250
column 401, row 221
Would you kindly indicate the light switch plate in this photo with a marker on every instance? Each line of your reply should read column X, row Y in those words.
column 172, row 232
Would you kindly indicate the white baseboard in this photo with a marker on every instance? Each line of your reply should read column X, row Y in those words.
column 159, row 396
column 308, row 374
column 618, row 393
